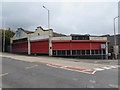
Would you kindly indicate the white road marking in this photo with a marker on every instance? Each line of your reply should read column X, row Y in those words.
column 94, row 72
column 113, row 66
column 106, row 67
column 92, row 81
column 98, row 69
column 113, row 85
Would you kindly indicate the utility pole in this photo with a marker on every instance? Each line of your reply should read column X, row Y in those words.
column 115, row 41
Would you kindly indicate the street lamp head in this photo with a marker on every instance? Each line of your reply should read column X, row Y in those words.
column 43, row 6
column 116, row 17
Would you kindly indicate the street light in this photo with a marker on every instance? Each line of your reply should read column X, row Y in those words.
column 48, row 16
column 115, row 41
column 50, row 33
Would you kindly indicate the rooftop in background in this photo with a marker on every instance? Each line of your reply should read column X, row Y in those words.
column 58, row 34
column 26, row 31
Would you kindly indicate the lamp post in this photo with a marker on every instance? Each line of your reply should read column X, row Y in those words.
column 115, row 41
column 50, row 32
column 48, row 16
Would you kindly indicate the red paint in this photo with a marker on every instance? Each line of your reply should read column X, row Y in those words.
column 90, row 71
column 80, row 45
column 73, row 68
column 96, row 45
column 42, row 46
column 20, row 48
column 55, row 65
column 77, row 45
column 61, row 46
column 39, row 46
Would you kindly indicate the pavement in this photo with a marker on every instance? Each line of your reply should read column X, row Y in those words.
column 79, row 65
column 24, row 74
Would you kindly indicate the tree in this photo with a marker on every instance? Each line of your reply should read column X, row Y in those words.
column 8, row 34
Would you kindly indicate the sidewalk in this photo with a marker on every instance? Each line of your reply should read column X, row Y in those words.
column 83, row 64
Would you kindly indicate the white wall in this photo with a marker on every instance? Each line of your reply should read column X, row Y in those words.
column 62, row 38
column 98, row 38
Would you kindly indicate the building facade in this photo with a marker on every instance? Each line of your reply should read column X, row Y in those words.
column 111, row 44
column 55, row 44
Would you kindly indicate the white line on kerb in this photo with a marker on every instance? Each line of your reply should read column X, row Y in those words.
column 98, row 69
column 113, row 85
column 93, row 72
column 113, row 66
column 106, row 67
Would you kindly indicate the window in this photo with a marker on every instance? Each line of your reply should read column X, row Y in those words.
column 54, row 52
column 104, row 51
column 74, row 52
column 68, row 52
column 80, row 37
column 96, row 52
column 83, row 52
column 87, row 51
column 63, row 52
column 78, row 52
column 92, row 51
column 59, row 52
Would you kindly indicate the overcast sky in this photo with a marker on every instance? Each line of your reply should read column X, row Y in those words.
column 95, row 18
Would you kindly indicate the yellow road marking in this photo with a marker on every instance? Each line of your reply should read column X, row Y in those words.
column 1, row 75
column 31, row 67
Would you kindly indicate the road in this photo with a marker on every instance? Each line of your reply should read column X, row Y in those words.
column 22, row 74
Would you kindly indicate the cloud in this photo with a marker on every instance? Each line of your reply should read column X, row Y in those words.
column 65, row 17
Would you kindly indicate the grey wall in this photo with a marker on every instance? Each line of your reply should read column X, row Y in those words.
column 111, row 39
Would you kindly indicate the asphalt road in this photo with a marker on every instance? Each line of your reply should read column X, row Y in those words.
column 21, row 74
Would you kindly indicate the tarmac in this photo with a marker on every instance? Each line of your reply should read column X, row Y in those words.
column 87, row 64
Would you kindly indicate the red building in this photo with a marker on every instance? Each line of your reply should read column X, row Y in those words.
column 54, row 44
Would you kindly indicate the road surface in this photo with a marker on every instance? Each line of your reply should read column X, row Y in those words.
column 22, row 74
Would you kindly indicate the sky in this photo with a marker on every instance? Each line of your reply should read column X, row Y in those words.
column 95, row 18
